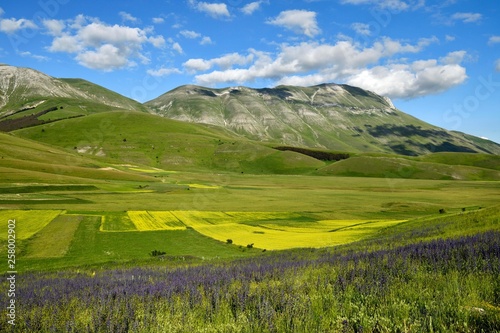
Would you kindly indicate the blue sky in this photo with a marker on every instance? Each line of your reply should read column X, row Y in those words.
column 438, row 60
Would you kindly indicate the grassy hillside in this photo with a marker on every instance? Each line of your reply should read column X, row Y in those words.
column 28, row 161
column 140, row 138
column 446, row 166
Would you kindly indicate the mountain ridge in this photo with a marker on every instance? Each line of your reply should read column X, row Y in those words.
column 28, row 89
column 328, row 116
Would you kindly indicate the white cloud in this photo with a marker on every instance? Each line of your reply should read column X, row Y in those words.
column 157, row 41
column 106, row 57
column 467, row 17
column 10, row 26
column 250, row 8
column 190, row 34
column 225, row 62
column 406, row 81
column 372, row 67
column 494, row 40
column 299, row 21
column 361, row 28
column 34, row 56
column 127, row 17
column 163, row 71
column 206, row 41
column 158, row 20
column 197, row 65
column 497, row 65
column 455, row 57
column 66, row 43
column 96, row 34
column 100, row 46
column 215, row 10
column 1, row 11
column 177, row 47
column 450, row 38
column 55, row 27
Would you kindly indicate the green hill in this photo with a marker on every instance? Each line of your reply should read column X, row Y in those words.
column 27, row 161
column 140, row 138
column 398, row 167
column 29, row 98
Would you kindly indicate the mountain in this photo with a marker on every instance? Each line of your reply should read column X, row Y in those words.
column 328, row 116
column 29, row 97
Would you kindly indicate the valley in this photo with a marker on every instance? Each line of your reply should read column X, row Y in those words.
column 238, row 209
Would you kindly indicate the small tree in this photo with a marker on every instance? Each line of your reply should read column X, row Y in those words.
column 250, row 246
column 229, row 241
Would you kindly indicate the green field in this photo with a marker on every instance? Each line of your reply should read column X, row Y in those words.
column 188, row 214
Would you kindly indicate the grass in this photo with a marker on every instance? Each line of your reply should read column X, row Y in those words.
column 54, row 239
column 148, row 221
column 28, row 222
column 117, row 221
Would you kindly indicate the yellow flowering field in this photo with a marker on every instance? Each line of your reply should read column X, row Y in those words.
column 265, row 230
column 272, row 236
column 28, row 222
column 116, row 221
column 146, row 221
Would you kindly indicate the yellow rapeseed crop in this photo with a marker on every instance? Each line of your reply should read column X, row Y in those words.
column 28, row 222
column 146, row 221
column 268, row 235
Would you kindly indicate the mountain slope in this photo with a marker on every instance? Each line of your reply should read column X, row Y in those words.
column 143, row 139
column 331, row 116
column 29, row 97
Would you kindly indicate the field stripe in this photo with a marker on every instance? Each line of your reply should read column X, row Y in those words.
column 28, row 222
column 54, row 240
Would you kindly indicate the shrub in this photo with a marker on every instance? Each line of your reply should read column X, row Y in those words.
column 229, row 241
column 156, row 253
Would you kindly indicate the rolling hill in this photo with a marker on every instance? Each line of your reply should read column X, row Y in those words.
column 29, row 98
column 329, row 116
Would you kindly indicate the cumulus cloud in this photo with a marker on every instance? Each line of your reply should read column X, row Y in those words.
column 361, row 28
column 190, row 34
column 206, row 41
column 177, row 47
column 419, row 78
column 467, row 17
column 127, row 17
column 100, row 46
column 215, row 10
column 225, row 62
column 299, row 21
column 250, row 8
column 11, row 26
column 158, row 20
column 54, row 27
column 372, row 67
